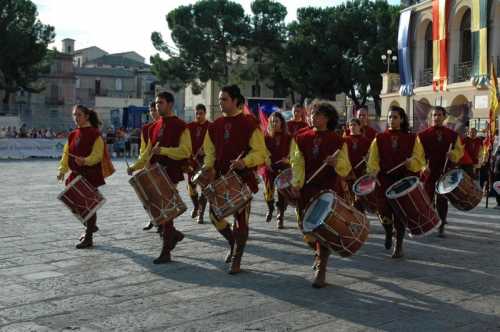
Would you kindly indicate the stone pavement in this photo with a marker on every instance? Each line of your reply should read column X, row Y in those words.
column 450, row 284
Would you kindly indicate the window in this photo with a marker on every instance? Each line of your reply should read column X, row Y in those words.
column 118, row 84
column 97, row 87
column 428, row 47
column 77, row 83
column 465, row 38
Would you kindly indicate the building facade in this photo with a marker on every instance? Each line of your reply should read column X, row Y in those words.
column 460, row 88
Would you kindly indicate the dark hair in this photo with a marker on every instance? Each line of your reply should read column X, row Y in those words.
column 280, row 116
column 297, row 105
column 93, row 118
column 167, row 96
column 356, row 120
column 234, row 92
column 362, row 108
column 405, row 125
column 439, row 109
column 152, row 104
column 200, row 107
column 329, row 111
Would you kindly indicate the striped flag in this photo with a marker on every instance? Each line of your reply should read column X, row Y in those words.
column 493, row 107
column 479, row 31
column 440, row 11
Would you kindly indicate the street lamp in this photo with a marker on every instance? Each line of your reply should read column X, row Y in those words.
column 388, row 59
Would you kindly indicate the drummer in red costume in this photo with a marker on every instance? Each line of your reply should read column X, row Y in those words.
column 197, row 129
column 169, row 145
column 278, row 144
column 83, row 155
column 310, row 149
column 234, row 141
column 389, row 149
column 366, row 131
column 298, row 121
column 474, row 147
column 357, row 146
column 153, row 113
column 436, row 141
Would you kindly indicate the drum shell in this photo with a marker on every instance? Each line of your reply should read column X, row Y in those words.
column 344, row 230
column 158, row 194
column 283, row 184
column 81, row 198
column 202, row 178
column 466, row 195
column 414, row 209
column 369, row 200
column 227, row 195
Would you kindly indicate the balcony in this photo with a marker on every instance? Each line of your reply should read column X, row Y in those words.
column 462, row 72
column 425, row 77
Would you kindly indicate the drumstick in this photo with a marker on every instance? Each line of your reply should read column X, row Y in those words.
column 360, row 163
column 446, row 161
column 399, row 165
column 321, row 167
column 237, row 159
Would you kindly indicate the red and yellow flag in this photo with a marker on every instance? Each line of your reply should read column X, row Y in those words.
column 494, row 109
column 440, row 11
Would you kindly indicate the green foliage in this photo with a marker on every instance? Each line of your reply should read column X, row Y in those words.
column 23, row 45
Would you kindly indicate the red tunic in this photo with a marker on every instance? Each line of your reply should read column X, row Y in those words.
column 473, row 147
column 80, row 143
column 358, row 147
column 294, row 126
column 315, row 147
column 198, row 132
column 168, row 133
column 436, row 142
column 279, row 148
column 231, row 137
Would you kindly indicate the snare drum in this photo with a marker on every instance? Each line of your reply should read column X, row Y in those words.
column 227, row 194
column 283, row 184
column 460, row 189
column 364, row 189
column 158, row 194
column 81, row 198
column 335, row 224
column 409, row 200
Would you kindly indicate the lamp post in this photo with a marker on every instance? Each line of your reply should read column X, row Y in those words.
column 388, row 59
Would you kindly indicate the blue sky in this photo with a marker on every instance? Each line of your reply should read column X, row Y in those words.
column 126, row 25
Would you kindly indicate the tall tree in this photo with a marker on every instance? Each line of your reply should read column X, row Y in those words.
column 23, row 46
column 209, row 38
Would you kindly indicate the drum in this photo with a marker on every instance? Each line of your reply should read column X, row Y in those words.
column 409, row 200
column 364, row 189
column 202, row 178
column 460, row 189
column 283, row 184
column 158, row 194
column 335, row 224
column 227, row 194
column 81, row 198
column 496, row 187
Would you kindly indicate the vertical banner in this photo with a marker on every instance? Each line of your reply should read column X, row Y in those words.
column 479, row 32
column 404, row 55
column 440, row 11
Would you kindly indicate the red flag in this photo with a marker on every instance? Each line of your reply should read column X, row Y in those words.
column 246, row 109
column 263, row 120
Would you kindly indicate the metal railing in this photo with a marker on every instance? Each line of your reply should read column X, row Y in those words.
column 425, row 77
column 462, row 71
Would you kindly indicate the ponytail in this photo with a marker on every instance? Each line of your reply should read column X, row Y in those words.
column 93, row 118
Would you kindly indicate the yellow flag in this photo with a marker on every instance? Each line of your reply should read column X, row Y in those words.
column 493, row 103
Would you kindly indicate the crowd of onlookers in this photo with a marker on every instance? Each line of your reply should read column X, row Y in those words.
column 25, row 132
column 123, row 142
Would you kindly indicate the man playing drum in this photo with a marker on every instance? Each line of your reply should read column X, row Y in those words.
column 169, row 145
column 278, row 144
column 83, row 155
column 390, row 149
column 440, row 144
column 153, row 113
column 234, row 142
column 310, row 149
column 197, row 129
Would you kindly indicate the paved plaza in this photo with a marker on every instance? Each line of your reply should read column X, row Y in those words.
column 450, row 284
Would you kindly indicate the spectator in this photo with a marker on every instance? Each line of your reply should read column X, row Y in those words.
column 496, row 174
column 134, row 142
column 23, row 131
column 3, row 132
column 110, row 140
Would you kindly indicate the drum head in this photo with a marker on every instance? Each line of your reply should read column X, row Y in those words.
column 402, row 187
column 450, row 181
column 318, row 210
column 364, row 185
column 496, row 186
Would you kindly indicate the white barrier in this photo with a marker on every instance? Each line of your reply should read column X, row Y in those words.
column 22, row 148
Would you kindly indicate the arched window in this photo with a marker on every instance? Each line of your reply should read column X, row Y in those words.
column 465, row 38
column 428, row 47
